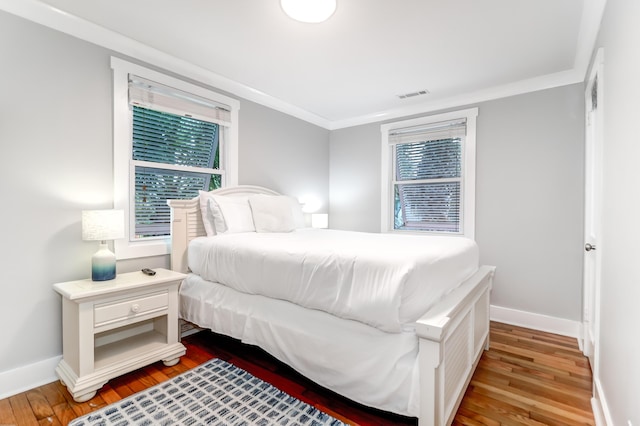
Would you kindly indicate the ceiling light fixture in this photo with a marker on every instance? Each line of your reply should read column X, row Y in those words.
column 310, row 11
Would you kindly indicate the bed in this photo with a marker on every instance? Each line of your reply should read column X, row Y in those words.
column 400, row 331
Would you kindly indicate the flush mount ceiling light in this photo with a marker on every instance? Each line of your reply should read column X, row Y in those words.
column 311, row 11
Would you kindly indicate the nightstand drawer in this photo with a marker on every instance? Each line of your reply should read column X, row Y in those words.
column 107, row 313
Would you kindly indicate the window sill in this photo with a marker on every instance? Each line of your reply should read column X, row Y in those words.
column 135, row 249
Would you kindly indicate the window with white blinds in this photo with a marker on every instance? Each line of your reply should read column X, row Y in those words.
column 171, row 139
column 175, row 151
column 428, row 174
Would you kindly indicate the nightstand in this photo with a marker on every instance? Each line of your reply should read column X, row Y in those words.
column 113, row 327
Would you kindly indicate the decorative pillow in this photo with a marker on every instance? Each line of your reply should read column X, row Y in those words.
column 298, row 215
column 231, row 214
column 272, row 213
column 207, row 216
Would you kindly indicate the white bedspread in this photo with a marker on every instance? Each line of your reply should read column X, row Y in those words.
column 365, row 364
column 384, row 280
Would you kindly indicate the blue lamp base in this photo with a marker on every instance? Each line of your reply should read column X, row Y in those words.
column 103, row 264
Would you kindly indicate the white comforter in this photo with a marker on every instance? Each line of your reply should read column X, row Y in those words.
column 385, row 280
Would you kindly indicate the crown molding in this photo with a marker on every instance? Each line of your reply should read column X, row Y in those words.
column 49, row 16
column 548, row 81
column 592, row 13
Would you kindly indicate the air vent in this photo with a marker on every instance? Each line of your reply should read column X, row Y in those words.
column 413, row 94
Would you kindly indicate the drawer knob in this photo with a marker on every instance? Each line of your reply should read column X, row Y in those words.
column 135, row 308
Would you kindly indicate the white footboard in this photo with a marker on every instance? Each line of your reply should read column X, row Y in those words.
column 452, row 338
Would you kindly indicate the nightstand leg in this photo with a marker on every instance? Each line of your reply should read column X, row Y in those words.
column 84, row 397
column 171, row 362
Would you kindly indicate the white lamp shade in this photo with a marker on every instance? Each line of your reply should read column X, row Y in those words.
column 102, row 225
column 319, row 220
column 311, row 11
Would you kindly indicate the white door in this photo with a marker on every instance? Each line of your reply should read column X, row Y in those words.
column 593, row 211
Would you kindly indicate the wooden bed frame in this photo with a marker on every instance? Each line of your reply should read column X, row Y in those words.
column 452, row 334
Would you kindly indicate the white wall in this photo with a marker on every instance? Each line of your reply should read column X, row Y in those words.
column 529, row 196
column 56, row 160
column 619, row 369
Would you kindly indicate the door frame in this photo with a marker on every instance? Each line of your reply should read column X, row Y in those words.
column 594, row 140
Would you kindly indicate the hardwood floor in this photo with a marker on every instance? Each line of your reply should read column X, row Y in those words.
column 526, row 378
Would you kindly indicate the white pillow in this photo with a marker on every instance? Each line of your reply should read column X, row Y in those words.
column 298, row 215
column 231, row 214
column 272, row 213
column 207, row 216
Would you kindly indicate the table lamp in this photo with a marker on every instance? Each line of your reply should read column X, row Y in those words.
column 319, row 220
column 102, row 225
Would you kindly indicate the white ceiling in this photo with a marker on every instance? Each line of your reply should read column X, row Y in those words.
column 350, row 69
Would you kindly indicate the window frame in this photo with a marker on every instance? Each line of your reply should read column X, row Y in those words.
column 467, row 198
column 124, row 165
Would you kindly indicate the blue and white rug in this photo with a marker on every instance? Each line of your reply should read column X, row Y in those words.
column 215, row 393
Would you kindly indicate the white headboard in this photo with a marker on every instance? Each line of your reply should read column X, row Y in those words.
column 186, row 221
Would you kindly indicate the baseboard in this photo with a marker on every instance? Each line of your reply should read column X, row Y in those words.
column 27, row 377
column 601, row 411
column 540, row 322
column 40, row 373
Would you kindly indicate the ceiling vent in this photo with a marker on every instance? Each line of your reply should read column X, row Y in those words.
column 413, row 94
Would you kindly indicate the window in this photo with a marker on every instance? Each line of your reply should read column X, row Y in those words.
column 428, row 170
column 171, row 139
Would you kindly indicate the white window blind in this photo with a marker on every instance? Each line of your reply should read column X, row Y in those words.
column 428, row 176
column 148, row 94
column 175, row 151
column 431, row 132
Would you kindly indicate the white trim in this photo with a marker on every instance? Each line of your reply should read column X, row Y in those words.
column 601, row 411
column 592, row 13
column 49, row 16
column 52, row 17
column 535, row 321
column 123, row 168
column 21, row 379
column 548, row 81
column 469, row 176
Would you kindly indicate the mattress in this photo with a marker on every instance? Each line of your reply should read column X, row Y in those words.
column 363, row 363
column 387, row 281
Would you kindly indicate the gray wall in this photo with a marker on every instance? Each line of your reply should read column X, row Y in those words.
column 283, row 153
column 354, row 178
column 618, row 367
column 529, row 195
column 56, row 136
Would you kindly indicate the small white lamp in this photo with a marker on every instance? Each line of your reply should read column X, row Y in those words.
column 319, row 220
column 102, row 225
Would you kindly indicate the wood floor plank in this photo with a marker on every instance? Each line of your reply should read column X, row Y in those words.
column 582, row 379
column 109, row 395
column 536, row 402
column 39, row 404
column 22, row 410
column 6, row 413
column 527, row 377
column 53, row 394
column 523, row 379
